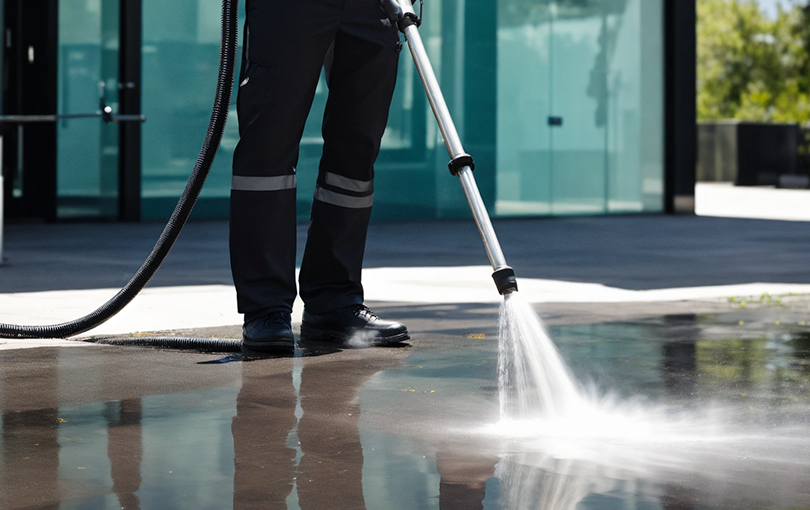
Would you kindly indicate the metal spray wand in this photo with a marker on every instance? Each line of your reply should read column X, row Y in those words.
column 461, row 164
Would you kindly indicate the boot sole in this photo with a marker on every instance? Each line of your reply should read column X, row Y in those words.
column 310, row 333
column 283, row 346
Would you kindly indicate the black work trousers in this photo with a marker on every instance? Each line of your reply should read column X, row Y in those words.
column 287, row 42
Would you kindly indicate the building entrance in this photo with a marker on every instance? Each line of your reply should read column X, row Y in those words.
column 72, row 59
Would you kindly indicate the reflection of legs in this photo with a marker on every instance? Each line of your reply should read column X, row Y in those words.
column 124, row 449
column 463, row 479
column 331, row 470
column 361, row 78
column 265, row 415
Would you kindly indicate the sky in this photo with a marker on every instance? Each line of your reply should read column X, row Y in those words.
column 769, row 6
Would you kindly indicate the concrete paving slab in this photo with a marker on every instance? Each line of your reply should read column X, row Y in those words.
column 407, row 428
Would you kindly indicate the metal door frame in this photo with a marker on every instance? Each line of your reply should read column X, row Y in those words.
column 30, row 87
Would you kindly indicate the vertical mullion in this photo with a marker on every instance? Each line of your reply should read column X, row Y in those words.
column 129, row 145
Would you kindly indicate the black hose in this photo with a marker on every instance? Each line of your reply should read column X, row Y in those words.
column 219, row 114
column 204, row 344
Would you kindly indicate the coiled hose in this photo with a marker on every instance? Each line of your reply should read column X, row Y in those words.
column 219, row 114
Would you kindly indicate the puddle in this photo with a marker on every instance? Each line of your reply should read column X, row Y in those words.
column 696, row 412
column 685, row 412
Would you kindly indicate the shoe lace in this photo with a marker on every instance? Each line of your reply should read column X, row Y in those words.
column 364, row 311
column 276, row 318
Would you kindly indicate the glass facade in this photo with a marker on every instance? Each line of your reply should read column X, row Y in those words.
column 180, row 60
column 560, row 102
column 580, row 107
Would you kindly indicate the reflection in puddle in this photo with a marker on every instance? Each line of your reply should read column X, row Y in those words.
column 686, row 412
column 569, row 458
column 558, row 438
column 734, row 414
column 678, row 412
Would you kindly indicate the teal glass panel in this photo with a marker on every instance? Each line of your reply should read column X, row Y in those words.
column 636, row 92
column 524, row 104
column 413, row 181
column 180, row 61
column 87, row 149
column 578, row 100
column 405, row 171
column 560, row 103
column 580, row 107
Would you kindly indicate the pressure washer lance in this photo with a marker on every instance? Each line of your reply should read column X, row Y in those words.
column 401, row 13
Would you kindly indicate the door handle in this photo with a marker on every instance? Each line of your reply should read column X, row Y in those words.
column 555, row 121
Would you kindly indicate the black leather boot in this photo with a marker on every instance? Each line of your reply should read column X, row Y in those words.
column 270, row 333
column 354, row 325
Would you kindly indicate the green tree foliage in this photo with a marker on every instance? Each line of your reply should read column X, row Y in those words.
column 751, row 67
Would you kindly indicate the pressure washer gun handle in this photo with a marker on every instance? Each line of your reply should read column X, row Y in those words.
column 401, row 13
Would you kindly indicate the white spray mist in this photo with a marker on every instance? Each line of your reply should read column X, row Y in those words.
column 533, row 380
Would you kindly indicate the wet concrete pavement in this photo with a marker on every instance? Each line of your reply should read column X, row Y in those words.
column 720, row 409
column 699, row 403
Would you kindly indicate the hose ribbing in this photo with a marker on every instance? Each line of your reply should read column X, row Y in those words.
column 182, row 210
column 203, row 344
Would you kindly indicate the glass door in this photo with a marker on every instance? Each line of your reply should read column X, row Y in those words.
column 87, row 179
column 524, row 159
column 579, row 111
column 580, row 106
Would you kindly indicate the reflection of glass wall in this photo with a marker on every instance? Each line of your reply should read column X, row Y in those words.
column 87, row 177
column 580, row 107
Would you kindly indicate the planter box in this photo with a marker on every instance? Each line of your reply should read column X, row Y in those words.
column 746, row 153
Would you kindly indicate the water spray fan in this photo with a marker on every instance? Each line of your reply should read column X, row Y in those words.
column 401, row 13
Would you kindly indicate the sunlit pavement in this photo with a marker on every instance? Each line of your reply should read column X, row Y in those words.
column 695, row 315
column 760, row 202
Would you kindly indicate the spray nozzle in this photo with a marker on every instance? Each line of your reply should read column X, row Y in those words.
column 505, row 280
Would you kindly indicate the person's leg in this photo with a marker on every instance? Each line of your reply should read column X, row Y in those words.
column 283, row 54
column 361, row 74
column 361, row 77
